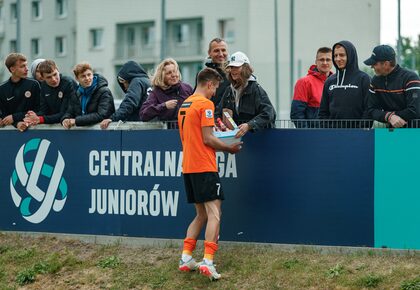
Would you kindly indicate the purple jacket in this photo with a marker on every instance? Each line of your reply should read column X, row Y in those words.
column 154, row 107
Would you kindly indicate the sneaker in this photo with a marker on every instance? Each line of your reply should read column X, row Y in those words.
column 209, row 271
column 189, row 266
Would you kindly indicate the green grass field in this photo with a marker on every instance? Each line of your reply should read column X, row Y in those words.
column 50, row 263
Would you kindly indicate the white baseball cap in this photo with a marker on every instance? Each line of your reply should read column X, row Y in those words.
column 238, row 59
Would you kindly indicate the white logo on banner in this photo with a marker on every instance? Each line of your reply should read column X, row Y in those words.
column 34, row 203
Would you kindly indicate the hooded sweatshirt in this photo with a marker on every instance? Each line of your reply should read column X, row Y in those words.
column 135, row 95
column 345, row 93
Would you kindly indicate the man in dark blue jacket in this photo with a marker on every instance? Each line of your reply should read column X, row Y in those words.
column 135, row 83
column 394, row 91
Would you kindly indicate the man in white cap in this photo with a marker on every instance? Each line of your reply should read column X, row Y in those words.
column 394, row 91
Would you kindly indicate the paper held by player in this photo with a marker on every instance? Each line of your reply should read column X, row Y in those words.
column 227, row 137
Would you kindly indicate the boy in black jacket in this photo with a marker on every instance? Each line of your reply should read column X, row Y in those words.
column 56, row 91
column 18, row 94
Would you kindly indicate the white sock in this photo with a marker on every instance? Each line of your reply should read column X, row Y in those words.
column 185, row 258
column 207, row 261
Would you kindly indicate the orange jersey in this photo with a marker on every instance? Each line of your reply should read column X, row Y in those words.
column 196, row 112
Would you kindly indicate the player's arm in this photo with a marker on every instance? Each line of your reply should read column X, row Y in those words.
column 210, row 140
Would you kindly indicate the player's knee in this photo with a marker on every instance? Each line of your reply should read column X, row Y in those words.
column 214, row 211
column 201, row 217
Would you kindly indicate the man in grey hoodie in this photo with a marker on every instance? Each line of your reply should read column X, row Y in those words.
column 135, row 83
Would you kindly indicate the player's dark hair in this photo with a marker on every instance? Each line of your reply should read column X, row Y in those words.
column 47, row 67
column 208, row 74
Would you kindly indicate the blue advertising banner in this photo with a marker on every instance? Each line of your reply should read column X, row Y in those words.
column 285, row 186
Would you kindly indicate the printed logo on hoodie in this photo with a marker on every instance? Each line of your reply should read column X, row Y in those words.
column 349, row 86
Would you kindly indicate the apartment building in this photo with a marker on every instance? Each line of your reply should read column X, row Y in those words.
column 279, row 36
column 129, row 29
column 47, row 30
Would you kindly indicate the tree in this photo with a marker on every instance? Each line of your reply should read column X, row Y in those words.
column 410, row 53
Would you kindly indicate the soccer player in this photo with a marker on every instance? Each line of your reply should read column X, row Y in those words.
column 201, row 178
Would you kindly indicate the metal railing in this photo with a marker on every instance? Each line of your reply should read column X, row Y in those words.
column 279, row 124
column 339, row 124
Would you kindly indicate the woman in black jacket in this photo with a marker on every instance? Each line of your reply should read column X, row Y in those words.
column 93, row 100
column 245, row 100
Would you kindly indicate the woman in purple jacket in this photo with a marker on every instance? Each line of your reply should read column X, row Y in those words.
column 168, row 93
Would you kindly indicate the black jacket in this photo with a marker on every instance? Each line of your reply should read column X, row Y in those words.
column 55, row 101
column 397, row 92
column 17, row 99
column 222, row 85
column 254, row 107
column 346, row 92
column 135, row 95
column 100, row 105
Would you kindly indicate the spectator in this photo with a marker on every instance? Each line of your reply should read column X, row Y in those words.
column 199, row 169
column 245, row 100
column 167, row 95
column 308, row 90
column 394, row 91
column 93, row 100
column 36, row 75
column 56, row 91
column 217, row 59
column 345, row 93
column 135, row 83
column 18, row 94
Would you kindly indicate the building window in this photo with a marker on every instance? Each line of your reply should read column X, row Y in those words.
column 96, row 36
column 60, row 46
column 36, row 10
column 61, row 8
column 131, row 36
column 227, row 30
column 147, row 35
column 35, row 47
column 189, row 70
column 13, row 12
column 13, row 46
column 182, row 33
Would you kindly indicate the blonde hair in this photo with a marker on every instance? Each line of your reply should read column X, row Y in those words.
column 13, row 58
column 158, row 78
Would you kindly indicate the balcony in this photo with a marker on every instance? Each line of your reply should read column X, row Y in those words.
column 142, row 52
column 191, row 49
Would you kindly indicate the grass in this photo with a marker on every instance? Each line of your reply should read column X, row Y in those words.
column 50, row 263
